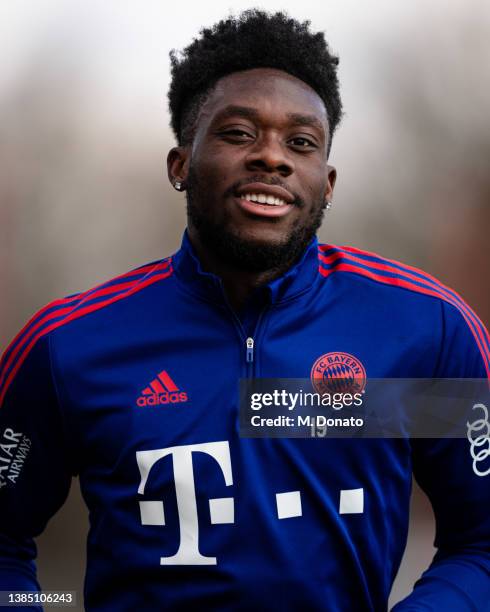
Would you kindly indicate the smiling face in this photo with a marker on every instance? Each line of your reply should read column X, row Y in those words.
column 256, row 173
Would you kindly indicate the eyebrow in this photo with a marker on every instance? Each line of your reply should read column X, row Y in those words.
column 299, row 119
column 251, row 113
column 242, row 111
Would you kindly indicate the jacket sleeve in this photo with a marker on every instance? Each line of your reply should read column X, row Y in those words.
column 458, row 578
column 35, row 472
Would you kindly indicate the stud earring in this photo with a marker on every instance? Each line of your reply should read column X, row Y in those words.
column 178, row 186
column 328, row 205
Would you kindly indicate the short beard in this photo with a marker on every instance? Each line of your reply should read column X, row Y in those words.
column 245, row 254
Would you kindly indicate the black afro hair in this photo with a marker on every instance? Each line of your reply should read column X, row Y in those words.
column 255, row 39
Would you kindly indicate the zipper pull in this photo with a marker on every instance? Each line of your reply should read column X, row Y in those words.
column 250, row 350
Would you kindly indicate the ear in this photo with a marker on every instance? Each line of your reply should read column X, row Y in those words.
column 331, row 178
column 178, row 160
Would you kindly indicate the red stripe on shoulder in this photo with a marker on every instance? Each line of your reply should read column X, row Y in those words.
column 67, row 306
column 38, row 317
column 420, row 277
column 383, row 263
column 405, row 271
column 73, row 308
column 406, row 284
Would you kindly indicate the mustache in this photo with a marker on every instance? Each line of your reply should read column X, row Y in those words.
column 231, row 191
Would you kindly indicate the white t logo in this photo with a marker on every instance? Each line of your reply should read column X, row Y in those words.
column 221, row 509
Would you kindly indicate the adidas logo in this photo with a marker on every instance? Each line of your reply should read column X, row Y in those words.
column 161, row 390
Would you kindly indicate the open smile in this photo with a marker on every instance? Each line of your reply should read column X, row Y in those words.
column 278, row 208
column 264, row 200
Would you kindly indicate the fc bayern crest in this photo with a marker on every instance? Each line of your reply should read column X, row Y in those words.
column 338, row 373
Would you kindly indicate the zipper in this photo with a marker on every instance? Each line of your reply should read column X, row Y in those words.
column 250, row 340
column 250, row 344
column 250, row 350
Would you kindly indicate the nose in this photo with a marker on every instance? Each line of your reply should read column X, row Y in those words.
column 270, row 155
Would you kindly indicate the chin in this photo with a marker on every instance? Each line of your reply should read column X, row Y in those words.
column 258, row 251
column 252, row 246
column 261, row 237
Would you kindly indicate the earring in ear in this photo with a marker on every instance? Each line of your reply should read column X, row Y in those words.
column 178, row 186
column 328, row 205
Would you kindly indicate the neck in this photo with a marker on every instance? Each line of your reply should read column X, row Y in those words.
column 238, row 284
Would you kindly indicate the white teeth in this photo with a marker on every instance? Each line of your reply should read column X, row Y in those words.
column 263, row 198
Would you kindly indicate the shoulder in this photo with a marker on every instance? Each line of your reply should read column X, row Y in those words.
column 383, row 272
column 62, row 312
column 403, row 284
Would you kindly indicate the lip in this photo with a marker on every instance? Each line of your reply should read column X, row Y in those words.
column 272, row 190
column 263, row 210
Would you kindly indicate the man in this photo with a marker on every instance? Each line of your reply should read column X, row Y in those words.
column 133, row 385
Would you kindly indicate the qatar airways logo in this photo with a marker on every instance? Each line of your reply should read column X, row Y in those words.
column 14, row 449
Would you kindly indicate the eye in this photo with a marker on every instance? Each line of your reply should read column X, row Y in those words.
column 236, row 135
column 300, row 142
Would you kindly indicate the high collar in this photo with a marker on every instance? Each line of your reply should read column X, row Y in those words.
column 297, row 280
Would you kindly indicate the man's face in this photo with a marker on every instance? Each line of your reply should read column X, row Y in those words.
column 258, row 178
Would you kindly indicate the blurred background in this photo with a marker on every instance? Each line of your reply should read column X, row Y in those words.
column 84, row 135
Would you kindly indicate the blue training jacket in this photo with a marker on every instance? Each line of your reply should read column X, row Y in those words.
column 132, row 386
